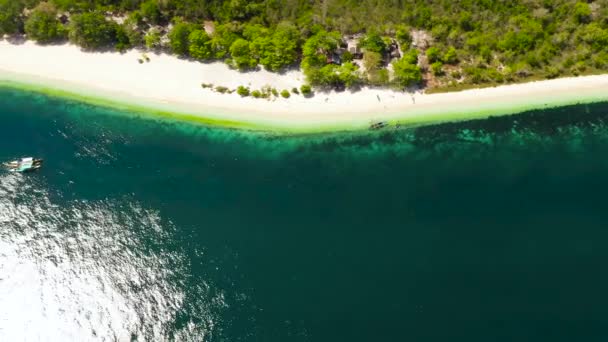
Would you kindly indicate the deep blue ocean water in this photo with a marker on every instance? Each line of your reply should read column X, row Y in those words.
column 150, row 230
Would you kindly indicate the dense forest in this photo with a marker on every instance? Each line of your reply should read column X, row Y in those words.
column 440, row 44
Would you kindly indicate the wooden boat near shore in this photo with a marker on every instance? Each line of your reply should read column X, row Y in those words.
column 378, row 125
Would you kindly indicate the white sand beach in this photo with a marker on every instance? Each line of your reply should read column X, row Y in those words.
column 174, row 84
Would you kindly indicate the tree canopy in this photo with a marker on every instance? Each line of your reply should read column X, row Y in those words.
column 42, row 24
column 476, row 42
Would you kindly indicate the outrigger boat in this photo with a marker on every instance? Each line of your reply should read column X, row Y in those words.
column 378, row 125
column 24, row 165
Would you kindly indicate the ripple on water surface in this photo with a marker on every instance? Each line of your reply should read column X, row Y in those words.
column 84, row 272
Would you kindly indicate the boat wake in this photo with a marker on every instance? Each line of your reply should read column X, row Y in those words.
column 93, row 271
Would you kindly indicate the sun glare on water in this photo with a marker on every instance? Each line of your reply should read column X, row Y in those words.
column 82, row 272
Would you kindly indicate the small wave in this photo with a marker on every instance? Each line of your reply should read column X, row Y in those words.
column 90, row 271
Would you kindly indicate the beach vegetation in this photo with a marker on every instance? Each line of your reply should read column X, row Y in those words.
column 285, row 93
column 241, row 54
column 295, row 91
column 306, row 90
column 243, row 91
column 406, row 74
column 403, row 36
column 122, row 38
column 179, row 38
column 11, row 16
column 275, row 92
column 222, row 90
column 133, row 33
column 582, row 12
column 153, row 39
column 411, row 56
column 480, row 39
column 433, row 54
column 450, row 56
column 91, row 30
column 43, row 26
column 373, row 42
column 207, row 85
column 199, row 45
column 150, row 11
column 256, row 93
column 437, row 68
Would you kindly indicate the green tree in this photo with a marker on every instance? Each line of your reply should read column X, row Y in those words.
column 179, row 38
column 450, row 56
column 306, row 90
column 91, row 30
column 150, row 11
column 134, row 34
column 433, row 54
column 152, row 39
column 241, row 55
column 374, row 42
column 122, row 38
column 406, row 74
column 404, row 38
column 282, row 49
column 43, row 26
column 582, row 12
column 437, row 68
column 348, row 75
column 243, row 91
column 285, row 93
column 199, row 45
column 411, row 56
column 11, row 20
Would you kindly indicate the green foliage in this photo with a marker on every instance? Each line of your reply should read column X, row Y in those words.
column 179, row 38
column 11, row 20
column 433, row 54
column 306, row 90
column 150, row 11
column 373, row 42
column 221, row 89
column 403, row 36
column 348, row 75
column 411, row 56
column 450, row 56
column 243, row 91
column 437, row 68
column 295, row 90
column 242, row 57
column 481, row 36
column 582, row 12
column 372, row 61
column 223, row 38
column 199, row 45
column 285, row 93
column 256, row 93
column 152, row 39
column 122, row 38
column 406, row 74
column 91, row 30
column 43, row 26
column 280, row 49
column 595, row 36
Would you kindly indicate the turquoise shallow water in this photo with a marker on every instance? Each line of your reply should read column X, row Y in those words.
column 135, row 229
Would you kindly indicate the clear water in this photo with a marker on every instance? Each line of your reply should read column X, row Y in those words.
column 141, row 230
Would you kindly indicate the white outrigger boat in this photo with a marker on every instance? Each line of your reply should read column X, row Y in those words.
column 24, row 165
